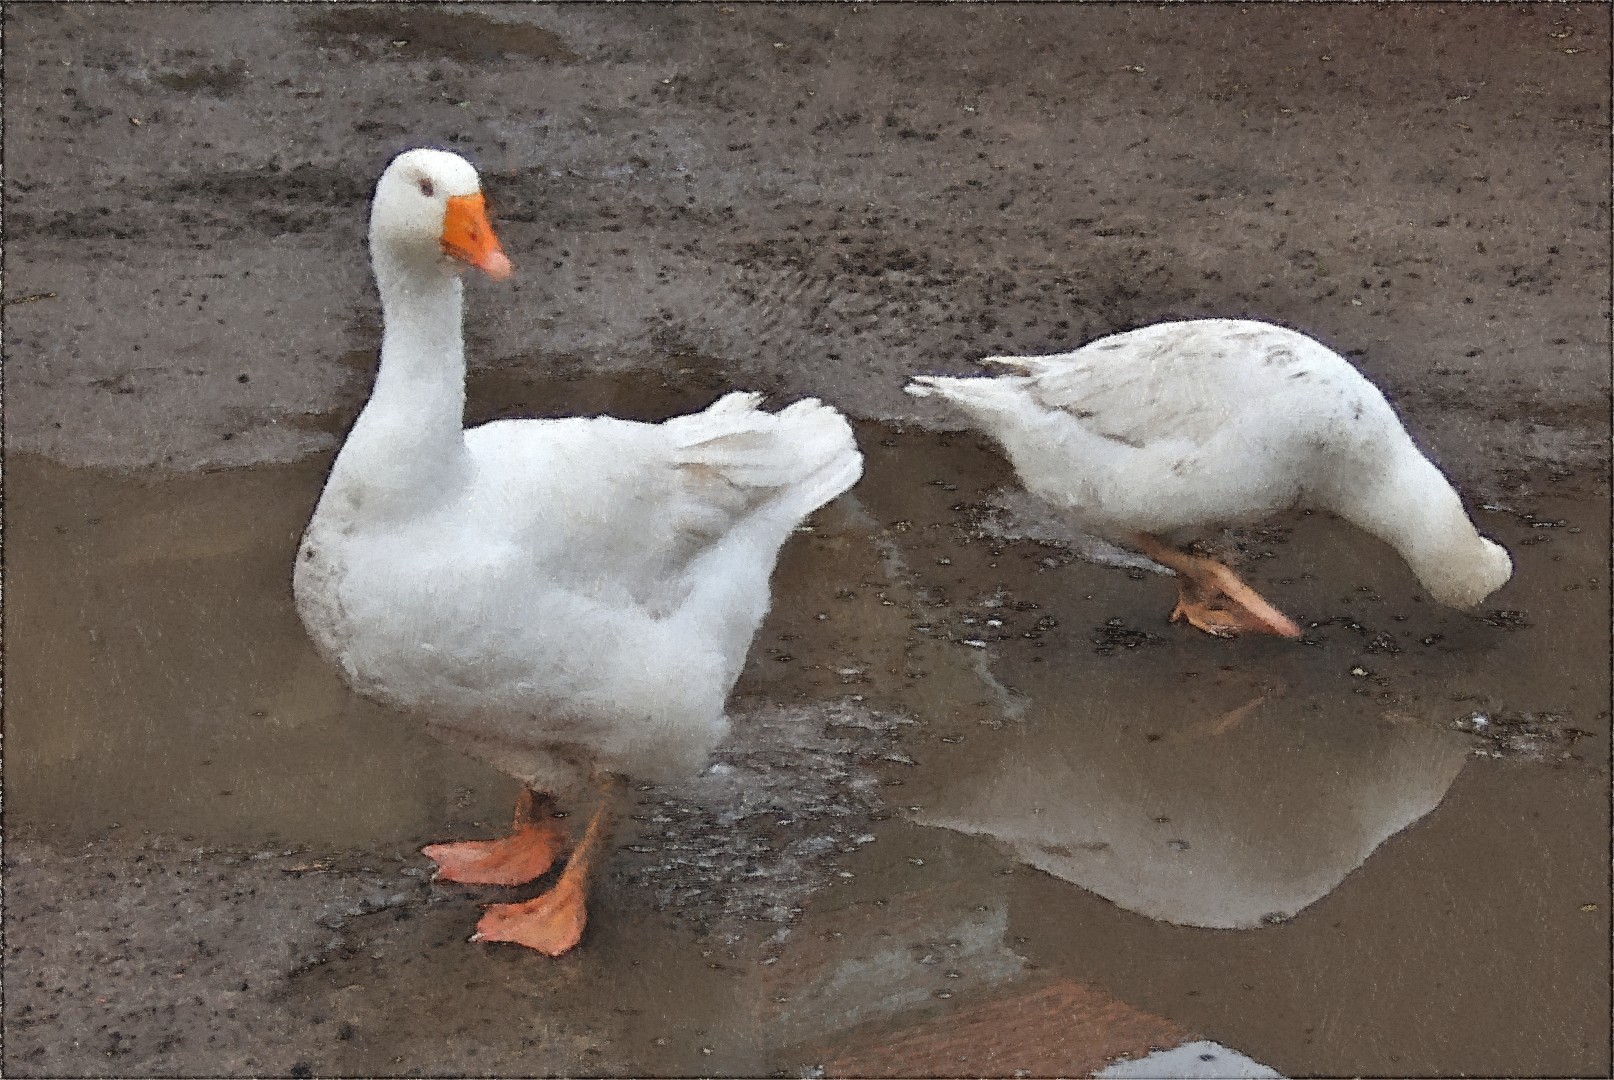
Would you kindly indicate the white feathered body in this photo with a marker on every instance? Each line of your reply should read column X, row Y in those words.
column 583, row 597
column 1178, row 428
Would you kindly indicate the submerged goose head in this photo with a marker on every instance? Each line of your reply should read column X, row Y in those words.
column 428, row 214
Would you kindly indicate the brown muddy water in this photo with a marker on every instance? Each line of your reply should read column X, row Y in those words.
column 963, row 762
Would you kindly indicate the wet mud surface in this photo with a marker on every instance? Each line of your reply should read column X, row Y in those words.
column 945, row 778
column 969, row 764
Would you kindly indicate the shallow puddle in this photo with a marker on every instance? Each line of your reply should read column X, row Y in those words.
column 159, row 680
column 1068, row 726
column 1214, row 783
column 934, row 711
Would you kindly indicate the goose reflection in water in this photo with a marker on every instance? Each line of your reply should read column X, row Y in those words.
column 1239, row 818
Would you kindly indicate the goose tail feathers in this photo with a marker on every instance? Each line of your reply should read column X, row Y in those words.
column 979, row 395
column 807, row 450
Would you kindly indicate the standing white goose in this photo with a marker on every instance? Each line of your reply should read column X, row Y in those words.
column 1153, row 437
column 570, row 600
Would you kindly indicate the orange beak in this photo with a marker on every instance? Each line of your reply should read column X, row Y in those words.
column 468, row 236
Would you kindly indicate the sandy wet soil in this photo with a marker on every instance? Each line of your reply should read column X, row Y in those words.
column 967, row 761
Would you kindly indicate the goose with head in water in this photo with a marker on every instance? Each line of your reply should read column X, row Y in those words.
column 570, row 600
column 1153, row 437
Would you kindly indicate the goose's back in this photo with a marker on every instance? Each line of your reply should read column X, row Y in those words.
column 1181, row 425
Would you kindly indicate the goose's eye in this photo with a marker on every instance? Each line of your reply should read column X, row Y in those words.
column 426, row 188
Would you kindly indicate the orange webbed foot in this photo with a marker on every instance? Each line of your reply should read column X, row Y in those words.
column 1212, row 598
column 1218, row 603
column 525, row 854
column 551, row 923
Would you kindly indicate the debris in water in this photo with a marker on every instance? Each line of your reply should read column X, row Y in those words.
column 1532, row 736
column 1506, row 620
column 1115, row 634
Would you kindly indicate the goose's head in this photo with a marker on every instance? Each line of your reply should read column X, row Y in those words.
column 428, row 213
column 1465, row 582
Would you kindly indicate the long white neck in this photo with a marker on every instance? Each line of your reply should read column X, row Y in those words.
column 406, row 453
column 1408, row 503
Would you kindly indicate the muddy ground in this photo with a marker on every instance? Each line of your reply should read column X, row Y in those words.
column 967, row 761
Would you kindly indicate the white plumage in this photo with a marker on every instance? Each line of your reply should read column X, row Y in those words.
column 1181, row 427
column 566, row 599
column 583, row 597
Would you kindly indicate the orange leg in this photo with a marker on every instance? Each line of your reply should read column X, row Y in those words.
column 552, row 922
column 1212, row 598
column 528, row 852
